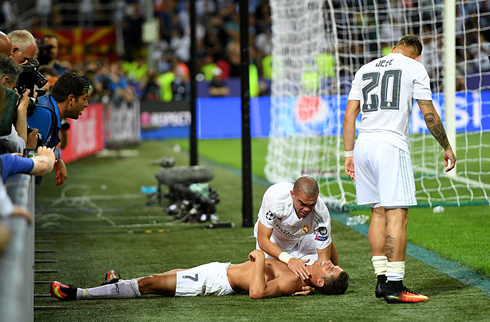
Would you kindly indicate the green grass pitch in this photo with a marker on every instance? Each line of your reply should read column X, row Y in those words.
column 98, row 221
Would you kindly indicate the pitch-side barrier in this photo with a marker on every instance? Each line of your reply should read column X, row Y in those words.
column 17, row 260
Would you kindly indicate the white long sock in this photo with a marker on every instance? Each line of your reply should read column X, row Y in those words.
column 395, row 271
column 123, row 289
column 379, row 264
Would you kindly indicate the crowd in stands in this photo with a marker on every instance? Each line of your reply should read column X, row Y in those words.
column 218, row 49
column 218, row 46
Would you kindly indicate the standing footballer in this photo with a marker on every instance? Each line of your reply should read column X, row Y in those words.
column 383, row 91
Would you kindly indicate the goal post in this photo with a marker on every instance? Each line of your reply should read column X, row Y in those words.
column 450, row 75
column 317, row 48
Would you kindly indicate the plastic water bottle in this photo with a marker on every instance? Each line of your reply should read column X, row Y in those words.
column 148, row 190
column 357, row 220
column 438, row 209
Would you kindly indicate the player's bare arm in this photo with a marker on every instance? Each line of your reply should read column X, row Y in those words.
column 349, row 134
column 263, row 237
column 329, row 253
column 433, row 122
column 296, row 265
column 259, row 288
column 436, row 128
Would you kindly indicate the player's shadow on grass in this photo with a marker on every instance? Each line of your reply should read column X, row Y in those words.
column 440, row 285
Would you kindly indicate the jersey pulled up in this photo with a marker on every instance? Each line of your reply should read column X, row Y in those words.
column 386, row 88
column 277, row 212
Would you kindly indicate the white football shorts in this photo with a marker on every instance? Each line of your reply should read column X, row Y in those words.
column 204, row 280
column 384, row 175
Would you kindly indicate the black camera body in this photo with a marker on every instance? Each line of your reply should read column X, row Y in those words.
column 43, row 55
column 39, row 141
column 31, row 76
column 64, row 125
column 29, row 79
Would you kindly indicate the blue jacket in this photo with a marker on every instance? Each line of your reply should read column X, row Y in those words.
column 12, row 164
column 47, row 120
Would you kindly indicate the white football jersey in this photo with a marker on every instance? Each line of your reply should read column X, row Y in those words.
column 386, row 88
column 277, row 212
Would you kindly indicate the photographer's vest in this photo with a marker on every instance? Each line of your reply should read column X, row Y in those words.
column 50, row 104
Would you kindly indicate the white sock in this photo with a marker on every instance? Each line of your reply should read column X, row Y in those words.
column 395, row 271
column 124, row 289
column 379, row 264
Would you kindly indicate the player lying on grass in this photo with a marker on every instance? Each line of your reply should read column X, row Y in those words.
column 260, row 277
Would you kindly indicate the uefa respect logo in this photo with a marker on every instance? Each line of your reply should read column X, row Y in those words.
column 165, row 119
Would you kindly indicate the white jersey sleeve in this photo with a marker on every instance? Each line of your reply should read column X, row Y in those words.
column 323, row 236
column 275, row 203
column 421, row 84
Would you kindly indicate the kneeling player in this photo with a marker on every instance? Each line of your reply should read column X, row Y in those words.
column 260, row 277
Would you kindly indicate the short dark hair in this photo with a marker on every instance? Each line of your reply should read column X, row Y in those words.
column 411, row 41
column 46, row 37
column 9, row 68
column 69, row 83
column 335, row 286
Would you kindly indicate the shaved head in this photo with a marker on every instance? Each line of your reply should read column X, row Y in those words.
column 307, row 186
column 5, row 44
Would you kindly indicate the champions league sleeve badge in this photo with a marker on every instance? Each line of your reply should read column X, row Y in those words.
column 270, row 216
column 323, row 231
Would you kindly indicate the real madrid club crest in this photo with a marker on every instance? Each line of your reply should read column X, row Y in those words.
column 305, row 229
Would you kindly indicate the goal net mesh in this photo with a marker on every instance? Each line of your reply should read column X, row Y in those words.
column 317, row 48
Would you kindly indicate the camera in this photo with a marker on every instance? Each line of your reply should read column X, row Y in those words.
column 31, row 76
column 39, row 137
column 28, row 79
column 32, row 101
column 64, row 125
column 44, row 53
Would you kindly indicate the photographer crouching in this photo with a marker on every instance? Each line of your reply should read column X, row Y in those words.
column 68, row 98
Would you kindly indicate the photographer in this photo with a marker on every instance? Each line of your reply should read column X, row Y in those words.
column 48, row 53
column 5, row 44
column 52, row 75
column 68, row 98
column 23, row 45
column 13, row 136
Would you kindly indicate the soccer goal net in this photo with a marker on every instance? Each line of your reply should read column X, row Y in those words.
column 317, row 48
